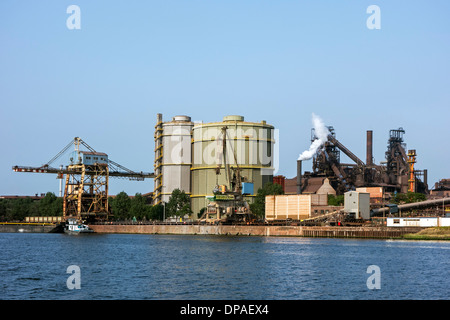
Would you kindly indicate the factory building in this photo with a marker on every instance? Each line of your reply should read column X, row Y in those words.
column 198, row 158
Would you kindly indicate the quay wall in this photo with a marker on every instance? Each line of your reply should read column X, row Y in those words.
column 231, row 230
column 282, row 231
column 26, row 228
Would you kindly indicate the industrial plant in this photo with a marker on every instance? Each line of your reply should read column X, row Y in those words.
column 368, row 188
column 396, row 174
column 222, row 165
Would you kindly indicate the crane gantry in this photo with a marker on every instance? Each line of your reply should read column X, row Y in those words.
column 87, row 178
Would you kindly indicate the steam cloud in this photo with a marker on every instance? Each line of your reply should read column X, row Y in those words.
column 321, row 132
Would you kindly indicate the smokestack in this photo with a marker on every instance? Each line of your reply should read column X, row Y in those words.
column 299, row 176
column 425, row 178
column 369, row 155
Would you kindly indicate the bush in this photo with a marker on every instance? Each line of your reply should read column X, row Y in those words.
column 409, row 197
column 258, row 207
column 335, row 200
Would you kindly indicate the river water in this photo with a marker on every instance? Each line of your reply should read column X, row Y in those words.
column 178, row 267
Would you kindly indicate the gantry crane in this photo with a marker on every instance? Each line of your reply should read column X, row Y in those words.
column 87, row 178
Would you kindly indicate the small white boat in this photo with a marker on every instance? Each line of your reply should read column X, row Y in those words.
column 75, row 227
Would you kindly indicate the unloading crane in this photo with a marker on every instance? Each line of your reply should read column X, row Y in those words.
column 87, row 176
column 234, row 179
column 228, row 204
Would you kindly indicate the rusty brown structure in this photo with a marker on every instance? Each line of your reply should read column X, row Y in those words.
column 393, row 175
column 281, row 180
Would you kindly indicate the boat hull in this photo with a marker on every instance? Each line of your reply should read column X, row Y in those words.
column 78, row 232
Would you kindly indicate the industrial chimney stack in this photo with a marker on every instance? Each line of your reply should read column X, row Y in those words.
column 299, row 176
column 369, row 154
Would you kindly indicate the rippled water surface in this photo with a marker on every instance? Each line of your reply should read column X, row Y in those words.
column 118, row 266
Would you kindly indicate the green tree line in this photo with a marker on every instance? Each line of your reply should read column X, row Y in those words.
column 18, row 209
column 122, row 207
column 125, row 208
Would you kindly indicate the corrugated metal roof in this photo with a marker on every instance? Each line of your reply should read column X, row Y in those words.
column 94, row 153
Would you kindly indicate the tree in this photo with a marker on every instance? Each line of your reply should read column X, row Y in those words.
column 3, row 209
column 50, row 205
column 139, row 207
column 120, row 206
column 20, row 209
column 179, row 204
column 258, row 207
column 58, row 206
column 409, row 197
column 156, row 212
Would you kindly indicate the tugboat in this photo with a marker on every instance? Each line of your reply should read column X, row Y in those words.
column 74, row 227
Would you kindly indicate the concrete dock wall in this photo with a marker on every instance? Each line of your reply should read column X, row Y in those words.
column 287, row 231
column 24, row 228
column 276, row 231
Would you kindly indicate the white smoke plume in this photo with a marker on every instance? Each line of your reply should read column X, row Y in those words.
column 321, row 132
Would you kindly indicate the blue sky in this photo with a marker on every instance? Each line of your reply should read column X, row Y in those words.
column 278, row 61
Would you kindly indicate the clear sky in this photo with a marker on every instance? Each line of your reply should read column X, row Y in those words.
column 278, row 61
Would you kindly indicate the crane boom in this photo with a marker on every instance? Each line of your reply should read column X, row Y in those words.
column 233, row 181
column 118, row 174
column 115, row 170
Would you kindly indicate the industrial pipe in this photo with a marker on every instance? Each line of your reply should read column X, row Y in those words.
column 426, row 203
column 334, row 141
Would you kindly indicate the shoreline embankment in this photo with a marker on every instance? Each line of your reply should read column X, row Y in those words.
column 266, row 231
column 382, row 232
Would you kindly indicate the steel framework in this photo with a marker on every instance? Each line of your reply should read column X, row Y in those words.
column 86, row 192
column 86, row 187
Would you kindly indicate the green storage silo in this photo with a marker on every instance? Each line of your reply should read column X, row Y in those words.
column 249, row 145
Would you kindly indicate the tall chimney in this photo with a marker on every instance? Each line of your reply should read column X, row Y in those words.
column 299, row 176
column 369, row 154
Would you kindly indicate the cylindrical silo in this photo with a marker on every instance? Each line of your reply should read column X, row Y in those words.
column 176, row 156
column 248, row 145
